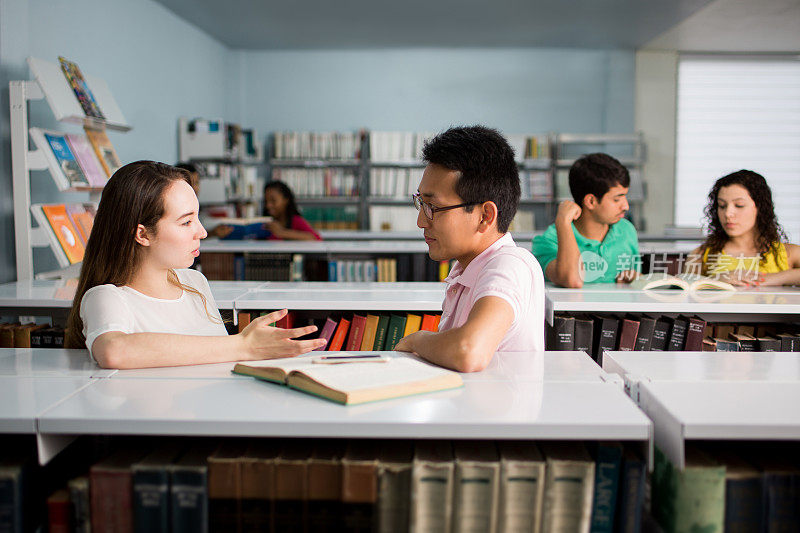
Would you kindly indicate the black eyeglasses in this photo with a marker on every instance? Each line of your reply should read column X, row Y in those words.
column 428, row 210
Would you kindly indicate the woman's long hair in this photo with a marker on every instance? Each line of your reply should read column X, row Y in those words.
column 768, row 231
column 134, row 195
column 291, row 203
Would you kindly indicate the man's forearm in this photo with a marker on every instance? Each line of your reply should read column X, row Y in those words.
column 567, row 261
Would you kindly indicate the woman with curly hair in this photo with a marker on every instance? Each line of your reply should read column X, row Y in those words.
column 745, row 244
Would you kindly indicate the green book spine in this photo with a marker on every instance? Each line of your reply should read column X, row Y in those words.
column 689, row 500
column 397, row 324
column 380, row 333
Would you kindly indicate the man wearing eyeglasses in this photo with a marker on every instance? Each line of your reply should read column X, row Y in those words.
column 495, row 292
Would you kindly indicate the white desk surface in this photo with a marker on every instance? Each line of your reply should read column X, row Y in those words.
column 705, row 366
column 337, row 300
column 615, row 298
column 719, row 410
column 56, row 295
column 352, row 286
column 514, row 366
column 318, row 247
column 24, row 398
column 481, row 409
column 49, row 362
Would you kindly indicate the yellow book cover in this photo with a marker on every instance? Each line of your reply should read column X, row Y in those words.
column 413, row 323
column 368, row 340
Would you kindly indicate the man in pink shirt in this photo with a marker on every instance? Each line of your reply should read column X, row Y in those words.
column 495, row 293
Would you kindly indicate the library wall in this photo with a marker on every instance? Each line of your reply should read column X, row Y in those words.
column 516, row 90
column 158, row 66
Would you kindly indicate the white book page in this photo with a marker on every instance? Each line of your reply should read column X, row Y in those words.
column 359, row 376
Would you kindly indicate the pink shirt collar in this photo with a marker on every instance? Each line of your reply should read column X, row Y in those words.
column 468, row 276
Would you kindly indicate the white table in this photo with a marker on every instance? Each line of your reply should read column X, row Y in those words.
column 377, row 299
column 773, row 303
column 23, row 399
column 504, row 366
column 712, row 395
column 719, row 410
column 49, row 362
column 558, row 395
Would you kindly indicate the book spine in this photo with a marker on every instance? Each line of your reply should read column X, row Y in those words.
column 631, row 496
column 150, row 500
column 606, row 481
column 290, row 495
column 111, row 494
column 743, row 505
column 394, row 487
column 475, row 499
column 359, row 496
column 12, row 512
column 677, row 336
column 58, row 512
column 380, row 333
column 324, row 496
column 431, row 497
column 189, row 499
column 224, row 495
column 338, row 338
column 645, row 335
column 561, row 335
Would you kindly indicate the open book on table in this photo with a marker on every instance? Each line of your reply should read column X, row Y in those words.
column 354, row 382
column 687, row 282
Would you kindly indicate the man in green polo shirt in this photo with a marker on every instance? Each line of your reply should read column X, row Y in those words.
column 591, row 241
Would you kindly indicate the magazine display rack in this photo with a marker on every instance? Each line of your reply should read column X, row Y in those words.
column 50, row 84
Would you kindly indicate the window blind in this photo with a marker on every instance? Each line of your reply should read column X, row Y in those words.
column 736, row 113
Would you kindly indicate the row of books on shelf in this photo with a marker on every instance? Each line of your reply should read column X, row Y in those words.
column 301, row 267
column 319, row 182
column 398, row 183
column 18, row 335
column 77, row 161
column 67, row 226
column 316, row 145
column 359, row 332
column 396, row 146
column 406, row 146
column 330, row 485
column 595, row 334
column 744, row 486
column 339, row 217
column 536, row 185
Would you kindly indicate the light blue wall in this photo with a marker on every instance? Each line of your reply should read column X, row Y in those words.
column 158, row 67
column 516, row 90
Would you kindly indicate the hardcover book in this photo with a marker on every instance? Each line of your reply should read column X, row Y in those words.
column 104, row 150
column 353, row 383
column 64, row 231
column 80, row 88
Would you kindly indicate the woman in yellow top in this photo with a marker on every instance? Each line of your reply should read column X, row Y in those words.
column 745, row 245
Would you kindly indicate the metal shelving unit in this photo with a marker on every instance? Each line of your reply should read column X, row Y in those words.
column 49, row 84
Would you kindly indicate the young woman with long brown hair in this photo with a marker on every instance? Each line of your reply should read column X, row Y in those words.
column 745, row 245
column 137, row 303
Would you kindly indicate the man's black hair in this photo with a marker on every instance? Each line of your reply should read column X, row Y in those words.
column 596, row 174
column 191, row 167
column 486, row 165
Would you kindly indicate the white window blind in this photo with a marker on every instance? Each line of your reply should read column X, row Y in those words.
column 736, row 113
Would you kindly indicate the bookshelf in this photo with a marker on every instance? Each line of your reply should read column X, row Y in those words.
column 778, row 304
column 386, row 169
column 230, row 161
column 50, row 84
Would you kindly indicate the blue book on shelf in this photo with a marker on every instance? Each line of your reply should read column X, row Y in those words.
column 248, row 231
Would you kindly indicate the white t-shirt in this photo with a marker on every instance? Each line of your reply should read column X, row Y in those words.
column 110, row 308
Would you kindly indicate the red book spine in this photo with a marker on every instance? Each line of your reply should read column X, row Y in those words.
column 429, row 323
column 338, row 338
column 112, row 505
column 356, row 332
column 58, row 512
